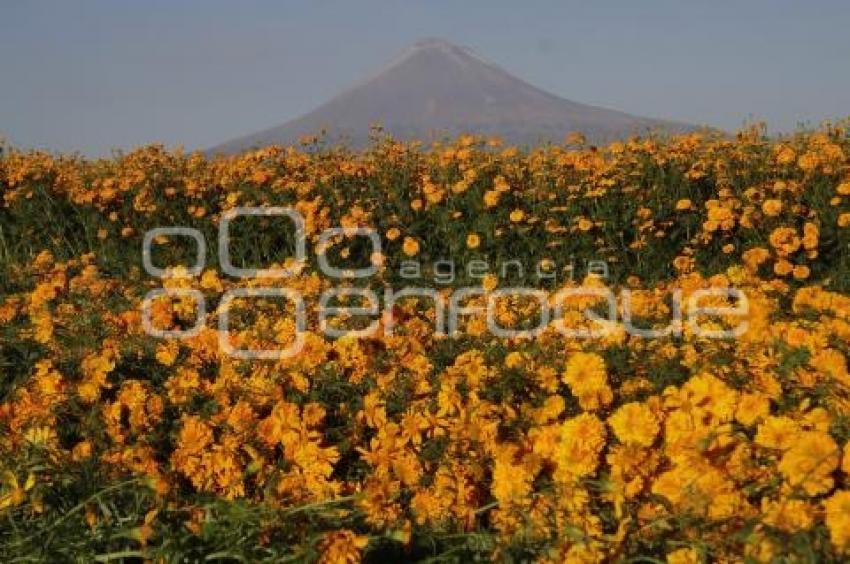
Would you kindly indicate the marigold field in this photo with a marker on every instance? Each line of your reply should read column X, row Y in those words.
column 410, row 445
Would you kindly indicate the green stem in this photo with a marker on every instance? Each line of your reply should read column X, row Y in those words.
column 119, row 555
column 77, row 508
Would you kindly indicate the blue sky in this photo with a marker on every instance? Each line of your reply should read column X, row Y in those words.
column 93, row 75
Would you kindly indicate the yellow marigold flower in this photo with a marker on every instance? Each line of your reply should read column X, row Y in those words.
column 684, row 556
column 489, row 282
column 500, row 184
column 211, row 282
column 683, row 263
column 634, row 423
column 751, row 408
column 753, row 258
column 182, row 385
column 761, row 548
column 512, row 483
column 837, row 519
column 473, row 241
column 166, row 353
column 95, row 368
column 459, row 187
column 393, row 233
column 517, row 215
column 790, row 515
column 410, row 246
column 81, row 451
column 801, row 272
column 587, row 378
column 143, row 533
column 831, row 362
column 547, row 378
column 777, row 432
column 40, row 435
column 844, row 220
column 844, row 188
column 514, row 359
column 92, row 518
column 551, row 409
column 811, row 236
column 817, row 419
column 582, row 441
column 545, row 441
column 16, row 493
column 194, row 436
column 684, row 204
column 809, row 462
column 785, row 240
column 341, row 547
column 719, row 217
column 772, row 208
column 808, row 161
column 786, row 155
column 783, row 267
column 491, row 198
column 377, row 259
column 43, row 260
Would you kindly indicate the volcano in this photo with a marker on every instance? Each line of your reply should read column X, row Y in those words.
column 436, row 89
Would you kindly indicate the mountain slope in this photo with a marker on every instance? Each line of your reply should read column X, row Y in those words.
column 437, row 89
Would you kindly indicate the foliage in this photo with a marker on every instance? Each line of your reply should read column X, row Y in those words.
column 414, row 446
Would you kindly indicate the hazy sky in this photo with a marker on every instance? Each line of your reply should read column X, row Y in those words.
column 90, row 75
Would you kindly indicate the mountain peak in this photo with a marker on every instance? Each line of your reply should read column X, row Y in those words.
column 435, row 43
column 441, row 46
column 440, row 51
column 436, row 88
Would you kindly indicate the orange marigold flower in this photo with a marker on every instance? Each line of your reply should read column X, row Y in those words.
column 587, row 378
column 634, row 423
column 772, row 208
column 809, row 462
column 582, row 441
column 341, row 547
column 837, row 519
column 410, row 246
